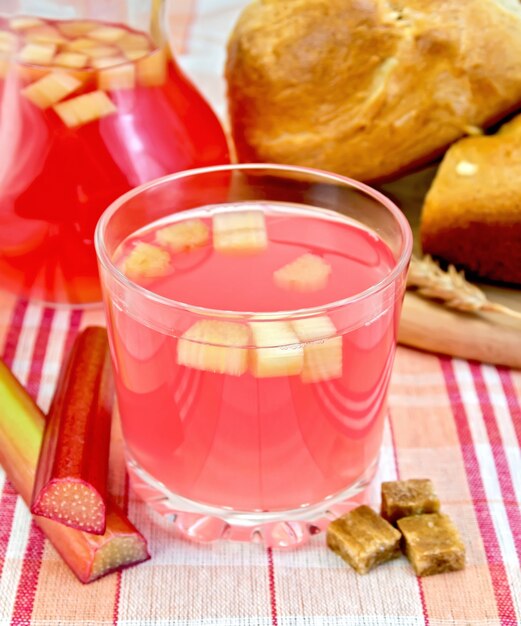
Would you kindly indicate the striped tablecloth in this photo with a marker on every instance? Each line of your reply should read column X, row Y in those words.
column 458, row 423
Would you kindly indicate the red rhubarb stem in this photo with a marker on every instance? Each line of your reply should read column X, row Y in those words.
column 21, row 433
column 71, row 479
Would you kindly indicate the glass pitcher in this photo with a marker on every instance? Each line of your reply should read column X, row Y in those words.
column 92, row 104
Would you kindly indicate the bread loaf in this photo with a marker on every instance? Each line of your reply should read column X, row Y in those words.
column 369, row 88
column 472, row 213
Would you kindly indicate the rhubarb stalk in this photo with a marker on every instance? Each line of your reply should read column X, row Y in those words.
column 71, row 479
column 21, row 432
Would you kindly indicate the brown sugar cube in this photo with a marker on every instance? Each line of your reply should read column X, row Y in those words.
column 432, row 544
column 401, row 498
column 363, row 539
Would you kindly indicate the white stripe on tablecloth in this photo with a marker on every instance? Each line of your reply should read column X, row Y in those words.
column 487, row 466
column 505, row 425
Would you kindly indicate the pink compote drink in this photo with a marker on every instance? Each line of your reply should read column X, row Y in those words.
column 239, row 409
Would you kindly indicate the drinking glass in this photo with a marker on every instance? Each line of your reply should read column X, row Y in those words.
column 92, row 104
column 224, row 439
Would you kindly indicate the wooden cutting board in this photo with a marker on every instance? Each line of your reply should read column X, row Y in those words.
column 487, row 337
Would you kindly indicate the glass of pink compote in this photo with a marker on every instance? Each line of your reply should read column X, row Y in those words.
column 253, row 314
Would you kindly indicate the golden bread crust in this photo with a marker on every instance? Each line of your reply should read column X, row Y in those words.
column 369, row 88
column 472, row 213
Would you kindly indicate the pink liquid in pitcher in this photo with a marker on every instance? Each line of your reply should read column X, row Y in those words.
column 251, row 437
column 88, row 110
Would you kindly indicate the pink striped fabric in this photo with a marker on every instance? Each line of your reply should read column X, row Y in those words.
column 456, row 422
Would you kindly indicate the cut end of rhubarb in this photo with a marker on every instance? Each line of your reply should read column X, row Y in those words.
column 119, row 552
column 147, row 261
column 278, row 351
column 184, row 236
column 307, row 273
column 239, row 232
column 322, row 348
column 215, row 346
column 72, row 503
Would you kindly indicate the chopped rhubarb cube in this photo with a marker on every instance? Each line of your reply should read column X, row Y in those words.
column 98, row 52
column 147, row 261
column 119, row 77
column 37, row 53
column 215, row 346
column 107, row 62
column 307, row 273
column 71, row 479
column 84, row 109
column 51, row 89
column 152, row 69
column 23, row 23
column 322, row 348
column 185, row 235
column 75, row 60
column 82, row 44
column 277, row 350
column 8, row 41
column 239, row 232
column 76, row 28
column 134, row 41
column 107, row 34
column 21, row 432
column 6, row 47
column 134, row 55
column 45, row 34
column 29, row 74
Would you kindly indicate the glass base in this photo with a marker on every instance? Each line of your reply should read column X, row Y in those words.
column 278, row 529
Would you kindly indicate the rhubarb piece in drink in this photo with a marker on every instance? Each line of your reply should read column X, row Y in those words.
column 307, row 273
column 24, row 23
column 82, row 44
column 107, row 34
column 76, row 28
column 88, row 556
column 45, row 34
column 51, row 89
column 322, row 348
column 402, row 498
column 8, row 41
column 363, row 539
column 105, row 62
column 239, row 232
column 134, row 55
column 152, row 70
column 277, row 350
column 147, row 261
column 74, row 60
column 432, row 544
column 99, row 52
column 37, row 53
column 118, row 77
column 85, row 108
column 71, row 480
column 215, row 346
column 134, row 41
column 184, row 235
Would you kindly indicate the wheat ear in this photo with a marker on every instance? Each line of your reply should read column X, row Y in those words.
column 451, row 287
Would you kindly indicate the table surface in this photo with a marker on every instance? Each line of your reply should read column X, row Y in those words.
column 456, row 422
